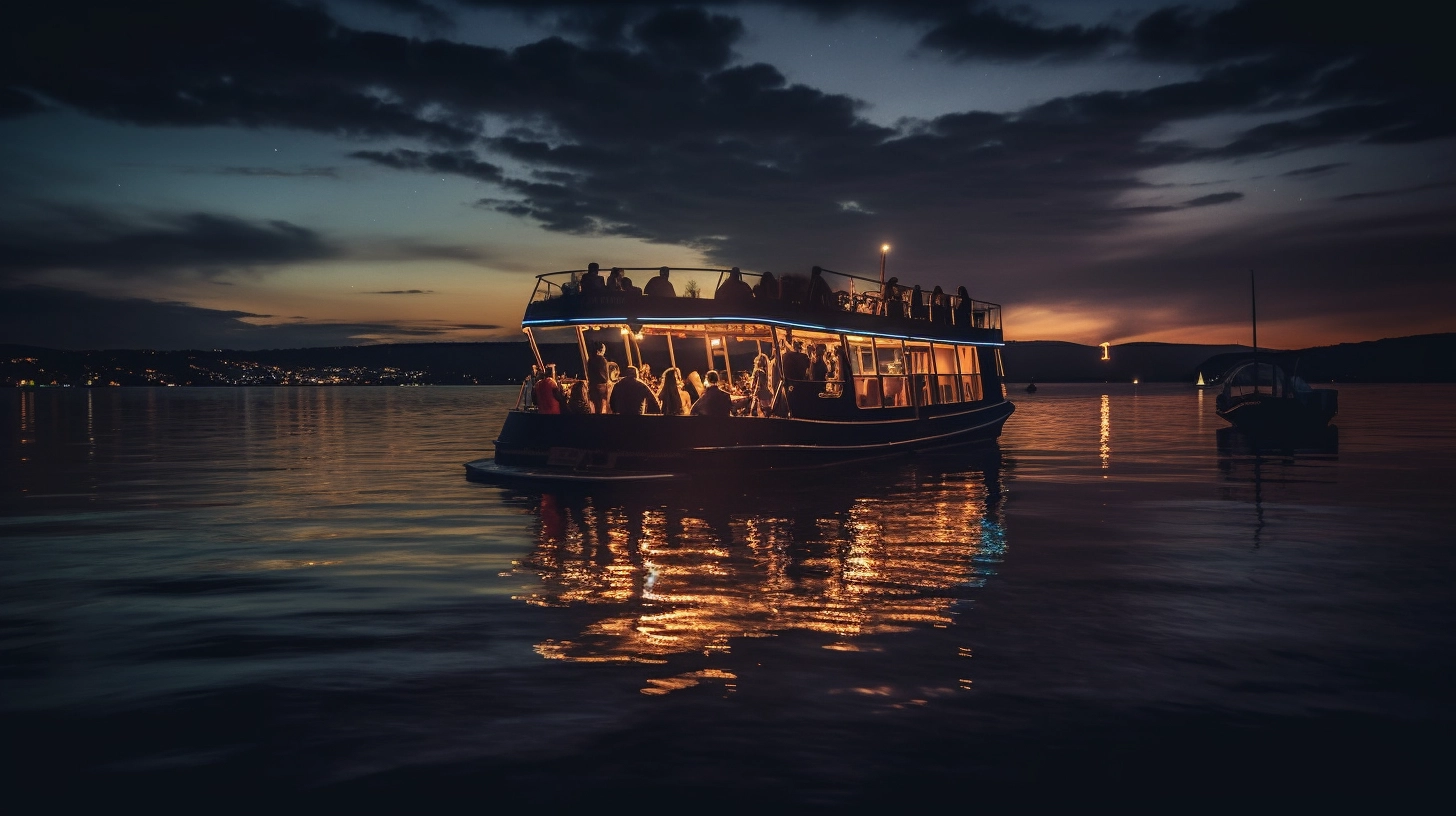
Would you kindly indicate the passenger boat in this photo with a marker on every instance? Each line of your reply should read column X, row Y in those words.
column 896, row 378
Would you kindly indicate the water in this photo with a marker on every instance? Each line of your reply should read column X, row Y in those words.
column 295, row 592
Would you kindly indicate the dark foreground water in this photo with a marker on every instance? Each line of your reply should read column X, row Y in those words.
column 294, row 594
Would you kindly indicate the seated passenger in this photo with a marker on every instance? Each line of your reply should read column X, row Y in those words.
column 796, row 362
column 631, row 396
column 715, row 402
column 592, row 283
column 694, row 386
column 576, row 403
column 628, row 289
column 674, row 400
column 767, row 287
column 614, row 280
column 660, row 286
column 734, row 289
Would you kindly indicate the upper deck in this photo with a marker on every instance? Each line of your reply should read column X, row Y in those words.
column 855, row 305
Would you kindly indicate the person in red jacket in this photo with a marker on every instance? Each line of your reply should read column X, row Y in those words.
column 549, row 394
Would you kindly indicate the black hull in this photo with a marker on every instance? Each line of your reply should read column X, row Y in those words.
column 616, row 446
column 1271, row 414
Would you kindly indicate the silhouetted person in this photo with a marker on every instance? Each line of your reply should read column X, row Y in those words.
column 660, row 286
column 917, row 304
column 614, row 280
column 791, row 289
column 593, row 284
column 632, row 396
column 818, row 366
column 938, row 311
column 715, row 402
column 796, row 362
column 628, row 289
column 759, row 387
column 577, row 402
column 598, row 379
column 890, row 293
column 693, row 384
column 734, row 290
column 962, row 307
column 767, row 287
column 819, row 296
column 671, row 396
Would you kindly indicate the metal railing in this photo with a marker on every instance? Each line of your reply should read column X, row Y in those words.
column 840, row 292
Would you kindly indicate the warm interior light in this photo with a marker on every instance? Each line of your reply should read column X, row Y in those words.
column 885, row 248
column 624, row 330
column 717, row 342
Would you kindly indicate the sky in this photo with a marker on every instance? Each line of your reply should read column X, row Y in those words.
column 240, row 174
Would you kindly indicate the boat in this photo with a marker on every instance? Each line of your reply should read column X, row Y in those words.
column 1260, row 396
column 894, row 382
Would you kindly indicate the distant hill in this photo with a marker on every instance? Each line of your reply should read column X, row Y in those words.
column 1419, row 358
column 1423, row 358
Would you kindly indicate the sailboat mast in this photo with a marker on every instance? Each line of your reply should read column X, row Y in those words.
column 1254, row 315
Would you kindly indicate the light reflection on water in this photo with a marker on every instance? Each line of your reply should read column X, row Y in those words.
column 300, row 585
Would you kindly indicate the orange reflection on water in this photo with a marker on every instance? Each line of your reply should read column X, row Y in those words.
column 684, row 576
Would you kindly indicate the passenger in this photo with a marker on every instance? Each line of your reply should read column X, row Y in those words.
column 962, row 307
column 598, row 379
column 890, row 294
column 572, row 287
column 917, row 305
column 734, row 290
column 614, row 280
column 628, row 289
column 818, row 365
column 715, row 402
column 593, row 284
column 631, row 396
column 820, row 296
column 759, row 387
column 576, row 403
column 644, row 373
column 796, row 362
column 767, row 287
column 694, row 386
column 671, row 396
column 660, row 286
column 549, row 396
column 939, row 313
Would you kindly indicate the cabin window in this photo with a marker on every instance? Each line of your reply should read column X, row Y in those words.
column 917, row 359
column 970, row 373
column 946, row 381
column 861, row 354
column 1000, row 372
column 894, row 384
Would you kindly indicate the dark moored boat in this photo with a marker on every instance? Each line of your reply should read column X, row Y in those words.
column 901, row 379
column 1260, row 396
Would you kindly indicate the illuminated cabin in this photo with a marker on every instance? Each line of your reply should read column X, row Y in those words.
column 901, row 378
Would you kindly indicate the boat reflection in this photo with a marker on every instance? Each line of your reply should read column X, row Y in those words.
column 695, row 568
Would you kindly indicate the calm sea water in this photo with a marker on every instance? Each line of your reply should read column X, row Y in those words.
column 296, row 593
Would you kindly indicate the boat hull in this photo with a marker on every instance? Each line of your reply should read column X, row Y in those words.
column 1274, row 414
column 617, row 446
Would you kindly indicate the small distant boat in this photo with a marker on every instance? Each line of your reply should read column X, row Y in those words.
column 1260, row 396
column 1031, row 388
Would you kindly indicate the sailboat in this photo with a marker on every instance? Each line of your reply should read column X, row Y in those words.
column 1260, row 396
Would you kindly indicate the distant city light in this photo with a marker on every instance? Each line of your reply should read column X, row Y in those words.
column 1105, row 348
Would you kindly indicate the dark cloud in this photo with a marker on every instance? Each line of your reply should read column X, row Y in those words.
column 1314, row 169
column 689, row 37
column 403, row 292
column 1215, row 198
column 458, row 162
column 994, row 34
column 278, row 172
column 1399, row 191
column 198, row 244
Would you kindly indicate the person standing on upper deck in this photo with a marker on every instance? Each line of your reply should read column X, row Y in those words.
column 592, row 283
column 820, row 296
column 660, row 286
column 597, row 379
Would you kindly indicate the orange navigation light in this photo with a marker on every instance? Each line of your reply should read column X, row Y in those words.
column 1105, row 348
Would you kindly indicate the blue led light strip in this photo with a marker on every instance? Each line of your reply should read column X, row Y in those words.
column 767, row 321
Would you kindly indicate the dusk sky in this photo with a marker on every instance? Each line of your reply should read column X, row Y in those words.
column 268, row 174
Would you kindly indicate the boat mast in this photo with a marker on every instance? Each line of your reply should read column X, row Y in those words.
column 1254, row 314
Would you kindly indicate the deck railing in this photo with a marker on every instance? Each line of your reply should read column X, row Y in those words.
column 846, row 293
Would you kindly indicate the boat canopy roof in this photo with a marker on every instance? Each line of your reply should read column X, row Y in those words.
column 1252, row 373
column 841, row 303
